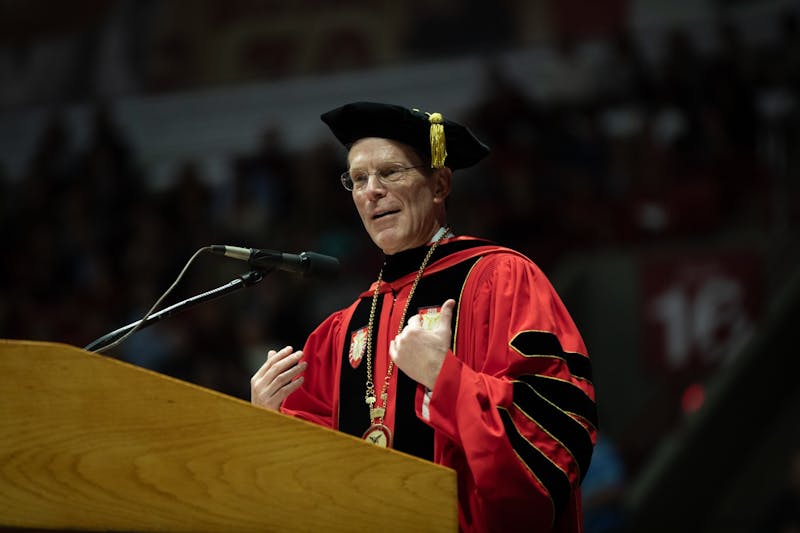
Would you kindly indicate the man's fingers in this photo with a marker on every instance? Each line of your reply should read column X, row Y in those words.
column 281, row 395
column 288, row 375
column 272, row 357
column 273, row 387
column 284, row 384
column 284, row 363
column 447, row 312
column 280, row 373
column 283, row 353
column 278, row 361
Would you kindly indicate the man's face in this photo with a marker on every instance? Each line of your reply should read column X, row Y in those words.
column 402, row 214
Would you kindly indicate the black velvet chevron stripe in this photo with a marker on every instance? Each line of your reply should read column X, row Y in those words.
column 570, row 398
column 556, row 422
column 553, row 478
column 353, row 411
column 533, row 343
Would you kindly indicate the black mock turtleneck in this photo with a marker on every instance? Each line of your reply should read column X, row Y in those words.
column 397, row 265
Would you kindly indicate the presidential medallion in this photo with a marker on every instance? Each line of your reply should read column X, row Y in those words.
column 379, row 435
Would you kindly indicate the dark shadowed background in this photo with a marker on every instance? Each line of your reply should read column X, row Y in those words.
column 645, row 155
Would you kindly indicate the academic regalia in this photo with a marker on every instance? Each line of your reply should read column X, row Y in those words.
column 512, row 410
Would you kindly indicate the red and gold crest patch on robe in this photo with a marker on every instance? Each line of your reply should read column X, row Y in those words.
column 358, row 346
column 430, row 316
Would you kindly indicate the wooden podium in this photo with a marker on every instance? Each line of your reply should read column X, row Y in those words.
column 91, row 443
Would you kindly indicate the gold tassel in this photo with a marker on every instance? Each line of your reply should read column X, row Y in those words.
column 438, row 148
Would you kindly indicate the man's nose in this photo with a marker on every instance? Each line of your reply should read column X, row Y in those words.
column 374, row 185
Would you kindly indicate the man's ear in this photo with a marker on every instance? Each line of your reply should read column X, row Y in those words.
column 441, row 190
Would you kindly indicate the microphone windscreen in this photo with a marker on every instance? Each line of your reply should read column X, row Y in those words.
column 321, row 266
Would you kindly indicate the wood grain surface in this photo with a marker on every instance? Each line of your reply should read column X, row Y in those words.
column 91, row 443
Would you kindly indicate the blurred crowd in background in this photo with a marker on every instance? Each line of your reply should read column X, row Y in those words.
column 695, row 147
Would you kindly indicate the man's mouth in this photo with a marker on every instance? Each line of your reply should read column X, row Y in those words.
column 381, row 214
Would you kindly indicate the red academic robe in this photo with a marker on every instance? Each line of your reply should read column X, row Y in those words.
column 512, row 410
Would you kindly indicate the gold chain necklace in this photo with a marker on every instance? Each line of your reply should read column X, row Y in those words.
column 378, row 433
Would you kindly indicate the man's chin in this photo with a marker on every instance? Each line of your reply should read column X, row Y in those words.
column 387, row 240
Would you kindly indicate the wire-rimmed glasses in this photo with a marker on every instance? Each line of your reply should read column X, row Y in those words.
column 355, row 181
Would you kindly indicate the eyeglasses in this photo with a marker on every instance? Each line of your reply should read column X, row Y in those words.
column 356, row 181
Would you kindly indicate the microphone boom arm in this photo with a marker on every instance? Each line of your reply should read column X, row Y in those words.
column 245, row 280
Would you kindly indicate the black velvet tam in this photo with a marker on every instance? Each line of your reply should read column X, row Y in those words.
column 358, row 120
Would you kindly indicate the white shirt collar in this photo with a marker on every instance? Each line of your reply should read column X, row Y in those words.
column 442, row 234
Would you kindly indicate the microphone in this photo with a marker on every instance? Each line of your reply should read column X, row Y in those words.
column 309, row 264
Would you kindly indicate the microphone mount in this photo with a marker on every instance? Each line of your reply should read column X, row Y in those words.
column 245, row 280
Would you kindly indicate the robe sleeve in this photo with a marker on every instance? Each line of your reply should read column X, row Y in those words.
column 315, row 400
column 514, row 400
